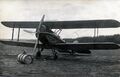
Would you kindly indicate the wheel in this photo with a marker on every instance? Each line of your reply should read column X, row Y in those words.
column 55, row 57
column 72, row 52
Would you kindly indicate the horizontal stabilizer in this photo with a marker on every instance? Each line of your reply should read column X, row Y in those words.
column 64, row 24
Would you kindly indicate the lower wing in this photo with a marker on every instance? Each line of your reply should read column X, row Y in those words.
column 70, row 46
column 88, row 46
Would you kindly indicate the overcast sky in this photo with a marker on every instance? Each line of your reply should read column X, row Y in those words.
column 31, row 10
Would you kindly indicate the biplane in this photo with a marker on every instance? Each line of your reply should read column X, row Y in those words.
column 51, row 40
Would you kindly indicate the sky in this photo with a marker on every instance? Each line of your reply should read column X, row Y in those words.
column 58, row 10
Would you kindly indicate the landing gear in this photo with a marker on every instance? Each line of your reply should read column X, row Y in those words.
column 38, row 54
column 54, row 53
column 72, row 52
column 55, row 56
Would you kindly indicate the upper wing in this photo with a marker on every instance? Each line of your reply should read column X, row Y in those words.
column 64, row 24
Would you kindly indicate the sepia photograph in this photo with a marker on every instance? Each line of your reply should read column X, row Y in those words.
column 59, row 38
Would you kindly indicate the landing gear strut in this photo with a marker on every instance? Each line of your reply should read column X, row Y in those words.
column 55, row 56
column 72, row 52
column 38, row 54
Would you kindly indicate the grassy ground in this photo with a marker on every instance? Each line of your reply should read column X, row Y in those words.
column 102, row 63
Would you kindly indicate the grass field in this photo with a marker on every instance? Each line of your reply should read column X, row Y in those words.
column 102, row 63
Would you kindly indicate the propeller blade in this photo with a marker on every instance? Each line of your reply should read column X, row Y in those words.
column 40, row 24
column 38, row 31
column 36, row 43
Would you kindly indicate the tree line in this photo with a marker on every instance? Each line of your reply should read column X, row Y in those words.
column 111, row 38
